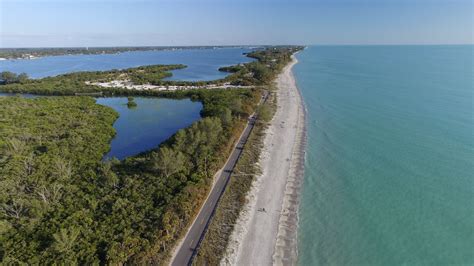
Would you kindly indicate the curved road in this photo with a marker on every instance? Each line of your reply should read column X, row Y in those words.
column 193, row 238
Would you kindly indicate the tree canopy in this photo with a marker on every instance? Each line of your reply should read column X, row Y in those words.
column 61, row 202
column 7, row 77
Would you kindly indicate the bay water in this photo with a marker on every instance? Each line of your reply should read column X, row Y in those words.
column 202, row 64
column 154, row 120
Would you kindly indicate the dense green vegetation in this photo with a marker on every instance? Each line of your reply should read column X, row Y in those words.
column 49, row 148
column 213, row 247
column 269, row 63
column 60, row 203
column 150, row 74
column 131, row 102
column 7, row 77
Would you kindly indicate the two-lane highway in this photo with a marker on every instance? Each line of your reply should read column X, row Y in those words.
column 193, row 238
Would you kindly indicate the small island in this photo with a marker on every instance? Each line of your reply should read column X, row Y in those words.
column 131, row 102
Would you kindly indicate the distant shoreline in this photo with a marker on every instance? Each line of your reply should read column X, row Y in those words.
column 35, row 53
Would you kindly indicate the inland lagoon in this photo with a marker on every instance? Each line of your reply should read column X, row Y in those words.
column 143, row 127
column 151, row 122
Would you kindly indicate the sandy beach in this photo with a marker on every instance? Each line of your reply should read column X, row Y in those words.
column 268, row 237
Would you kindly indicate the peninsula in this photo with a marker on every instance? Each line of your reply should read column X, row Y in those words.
column 261, row 202
column 130, row 211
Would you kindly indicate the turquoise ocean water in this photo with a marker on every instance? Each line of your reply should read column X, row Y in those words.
column 389, row 176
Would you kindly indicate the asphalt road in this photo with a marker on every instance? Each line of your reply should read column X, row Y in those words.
column 192, row 240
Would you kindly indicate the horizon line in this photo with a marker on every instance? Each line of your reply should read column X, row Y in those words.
column 237, row 45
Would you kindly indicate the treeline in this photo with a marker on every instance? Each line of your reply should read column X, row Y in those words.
column 60, row 203
column 268, row 64
column 214, row 244
column 78, row 82
column 15, row 53
column 7, row 77
column 151, row 74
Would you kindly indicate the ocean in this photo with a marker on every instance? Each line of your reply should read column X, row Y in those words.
column 389, row 174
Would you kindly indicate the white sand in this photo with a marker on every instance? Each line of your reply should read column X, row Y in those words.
column 269, row 238
column 127, row 84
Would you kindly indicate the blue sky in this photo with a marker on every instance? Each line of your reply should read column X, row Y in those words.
column 49, row 23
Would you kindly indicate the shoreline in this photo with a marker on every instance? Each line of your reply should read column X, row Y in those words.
column 32, row 53
column 270, row 237
column 286, row 247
